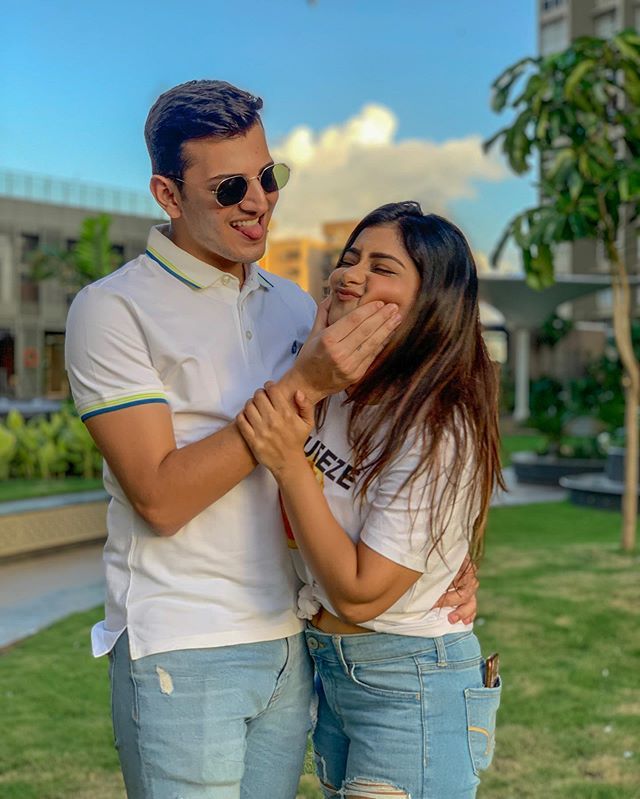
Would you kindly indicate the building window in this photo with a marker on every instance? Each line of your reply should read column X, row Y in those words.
column 30, row 243
column 604, row 25
column 554, row 36
column 562, row 258
column 7, row 368
column 55, row 380
column 551, row 5
column 6, row 270
column 29, row 290
column 602, row 262
column 604, row 300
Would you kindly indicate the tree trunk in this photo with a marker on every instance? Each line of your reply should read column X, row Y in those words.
column 624, row 343
column 630, row 499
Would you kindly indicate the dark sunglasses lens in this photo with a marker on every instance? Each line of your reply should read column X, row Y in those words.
column 275, row 177
column 231, row 190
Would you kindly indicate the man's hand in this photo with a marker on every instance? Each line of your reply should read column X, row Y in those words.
column 461, row 594
column 275, row 430
column 337, row 356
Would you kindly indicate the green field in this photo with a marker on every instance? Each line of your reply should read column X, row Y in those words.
column 519, row 442
column 27, row 489
column 558, row 600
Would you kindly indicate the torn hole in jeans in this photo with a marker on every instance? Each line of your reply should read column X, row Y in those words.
column 361, row 788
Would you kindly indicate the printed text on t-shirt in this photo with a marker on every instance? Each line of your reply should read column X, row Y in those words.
column 331, row 465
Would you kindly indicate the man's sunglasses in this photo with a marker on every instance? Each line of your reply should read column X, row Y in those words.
column 232, row 190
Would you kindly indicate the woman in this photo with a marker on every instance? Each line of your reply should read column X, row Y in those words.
column 404, row 465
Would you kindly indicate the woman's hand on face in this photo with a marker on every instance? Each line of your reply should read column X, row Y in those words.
column 274, row 429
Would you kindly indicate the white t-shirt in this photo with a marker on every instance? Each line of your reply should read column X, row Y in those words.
column 169, row 328
column 397, row 527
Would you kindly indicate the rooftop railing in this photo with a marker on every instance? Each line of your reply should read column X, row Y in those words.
column 75, row 193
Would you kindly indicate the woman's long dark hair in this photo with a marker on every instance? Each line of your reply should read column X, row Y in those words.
column 435, row 379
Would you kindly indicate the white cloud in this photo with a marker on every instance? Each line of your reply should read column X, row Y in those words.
column 509, row 263
column 346, row 170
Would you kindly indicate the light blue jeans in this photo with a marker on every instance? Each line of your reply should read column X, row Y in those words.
column 219, row 723
column 401, row 716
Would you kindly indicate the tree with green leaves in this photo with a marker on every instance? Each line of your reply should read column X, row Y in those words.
column 89, row 259
column 577, row 117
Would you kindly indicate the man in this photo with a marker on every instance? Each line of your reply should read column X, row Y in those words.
column 210, row 680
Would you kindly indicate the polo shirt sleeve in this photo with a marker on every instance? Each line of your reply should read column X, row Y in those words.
column 400, row 525
column 107, row 358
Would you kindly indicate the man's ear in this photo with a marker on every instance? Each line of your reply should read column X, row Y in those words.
column 167, row 195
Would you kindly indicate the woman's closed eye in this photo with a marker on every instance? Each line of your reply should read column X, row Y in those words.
column 382, row 270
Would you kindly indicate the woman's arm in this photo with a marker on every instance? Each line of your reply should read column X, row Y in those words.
column 360, row 583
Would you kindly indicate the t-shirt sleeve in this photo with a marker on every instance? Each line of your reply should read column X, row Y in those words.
column 107, row 357
column 400, row 524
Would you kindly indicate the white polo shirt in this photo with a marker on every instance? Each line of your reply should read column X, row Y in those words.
column 169, row 328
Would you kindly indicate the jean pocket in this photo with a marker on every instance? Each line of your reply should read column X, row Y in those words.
column 393, row 679
column 482, row 705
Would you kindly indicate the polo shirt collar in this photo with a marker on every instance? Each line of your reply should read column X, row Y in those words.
column 191, row 270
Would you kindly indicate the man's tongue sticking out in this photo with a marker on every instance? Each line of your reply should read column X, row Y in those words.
column 252, row 231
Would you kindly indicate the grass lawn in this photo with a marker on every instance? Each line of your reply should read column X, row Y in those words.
column 26, row 489
column 517, row 442
column 558, row 600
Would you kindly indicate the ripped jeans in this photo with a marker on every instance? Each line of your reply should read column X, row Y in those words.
column 401, row 716
column 220, row 723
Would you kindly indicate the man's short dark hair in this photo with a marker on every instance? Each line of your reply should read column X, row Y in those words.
column 195, row 110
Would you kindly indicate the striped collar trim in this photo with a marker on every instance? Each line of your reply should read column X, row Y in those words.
column 254, row 275
column 183, row 278
column 263, row 280
column 171, row 268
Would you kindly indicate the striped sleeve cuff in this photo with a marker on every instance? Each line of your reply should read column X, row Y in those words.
column 122, row 402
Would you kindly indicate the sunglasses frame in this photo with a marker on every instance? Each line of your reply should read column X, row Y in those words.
column 258, row 177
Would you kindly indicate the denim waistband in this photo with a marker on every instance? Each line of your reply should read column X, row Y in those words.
column 370, row 647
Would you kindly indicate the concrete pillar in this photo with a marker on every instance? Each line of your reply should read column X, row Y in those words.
column 523, row 342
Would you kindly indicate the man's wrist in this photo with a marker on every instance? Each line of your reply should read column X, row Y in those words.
column 294, row 381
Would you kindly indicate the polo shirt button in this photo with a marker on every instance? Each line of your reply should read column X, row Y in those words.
column 312, row 643
column 226, row 280
column 249, row 335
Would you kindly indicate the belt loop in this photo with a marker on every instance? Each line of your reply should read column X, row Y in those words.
column 337, row 642
column 441, row 649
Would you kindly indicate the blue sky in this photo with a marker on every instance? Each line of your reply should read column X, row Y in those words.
column 77, row 79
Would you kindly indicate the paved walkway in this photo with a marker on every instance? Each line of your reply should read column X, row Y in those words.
column 39, row 590
column 520, row 494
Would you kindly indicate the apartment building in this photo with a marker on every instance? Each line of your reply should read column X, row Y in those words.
column 559, row 23
column 37, row 212
column 308, row 261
